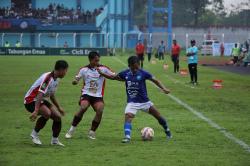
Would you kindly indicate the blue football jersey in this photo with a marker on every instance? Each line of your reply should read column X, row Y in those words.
column 136, row 85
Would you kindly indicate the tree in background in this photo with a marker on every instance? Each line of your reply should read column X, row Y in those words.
column 196, row 13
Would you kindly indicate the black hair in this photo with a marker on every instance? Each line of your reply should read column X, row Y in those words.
column 93, row 54
column 61, row 64
column 132, row 60
column 193, row 41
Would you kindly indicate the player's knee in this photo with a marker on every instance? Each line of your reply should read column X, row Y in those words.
column 58, row 118
column 99, row 112
column 129, row 117
column 47, row 115
column 83, row 108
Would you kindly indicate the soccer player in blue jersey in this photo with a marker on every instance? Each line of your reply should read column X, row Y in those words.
column 137, row 99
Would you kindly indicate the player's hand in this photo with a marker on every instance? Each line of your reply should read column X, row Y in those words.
column 61, row 111
column 98, row 70
column 33, row 116
column 74, row 82
column 166, row 91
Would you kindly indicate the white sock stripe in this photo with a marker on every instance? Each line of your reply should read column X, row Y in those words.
column 127, row 130
column 222, row 130
column 127, row 136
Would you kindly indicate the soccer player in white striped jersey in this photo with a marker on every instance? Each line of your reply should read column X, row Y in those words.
column 36, row 102
column 92, row 93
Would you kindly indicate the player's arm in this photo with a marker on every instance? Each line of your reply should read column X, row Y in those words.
column 109, row 76
column 75, row 81
column 42, row 90
column 77, row 78
column 55, row 102
column 190, row 54
column 39, row 98
column 160, row 85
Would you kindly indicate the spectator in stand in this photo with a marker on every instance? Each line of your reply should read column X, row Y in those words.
column 140, row 52
column 65, row 45
column 7, row 44
column 18, row 43
column 54, row 12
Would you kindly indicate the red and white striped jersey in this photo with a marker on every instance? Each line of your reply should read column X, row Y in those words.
column 93, row 82
column 45, row 84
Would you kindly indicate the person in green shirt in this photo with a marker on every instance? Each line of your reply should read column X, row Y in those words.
column 235, row 53
column 7, row 44
column 18, row 44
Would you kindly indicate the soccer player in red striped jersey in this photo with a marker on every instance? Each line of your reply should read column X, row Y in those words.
column 92, row 93
column 36, row 102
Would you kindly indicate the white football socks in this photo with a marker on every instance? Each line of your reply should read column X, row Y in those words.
column 34, row 133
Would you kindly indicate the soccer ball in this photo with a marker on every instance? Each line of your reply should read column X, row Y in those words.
column 147, row 134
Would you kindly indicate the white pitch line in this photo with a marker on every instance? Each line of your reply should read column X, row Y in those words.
column 179, row 82
column 222, row 130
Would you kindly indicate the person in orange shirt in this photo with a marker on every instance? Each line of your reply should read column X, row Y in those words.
column 140, row 52
column 176, row 49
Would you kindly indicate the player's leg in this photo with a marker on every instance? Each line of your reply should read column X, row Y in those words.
column 190, row 68
column 56, row 126
column 174, row 62
column 142, row 59
column 84, row 105
column 195, row 73
column 149, row 57
column 177, row 64
column 235, row 59
column 162, row 121
column 45, row 113
column 98, row 107
column 128, row 127
column 130, row 112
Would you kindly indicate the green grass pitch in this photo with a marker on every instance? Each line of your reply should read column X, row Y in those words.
column 194, row 141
